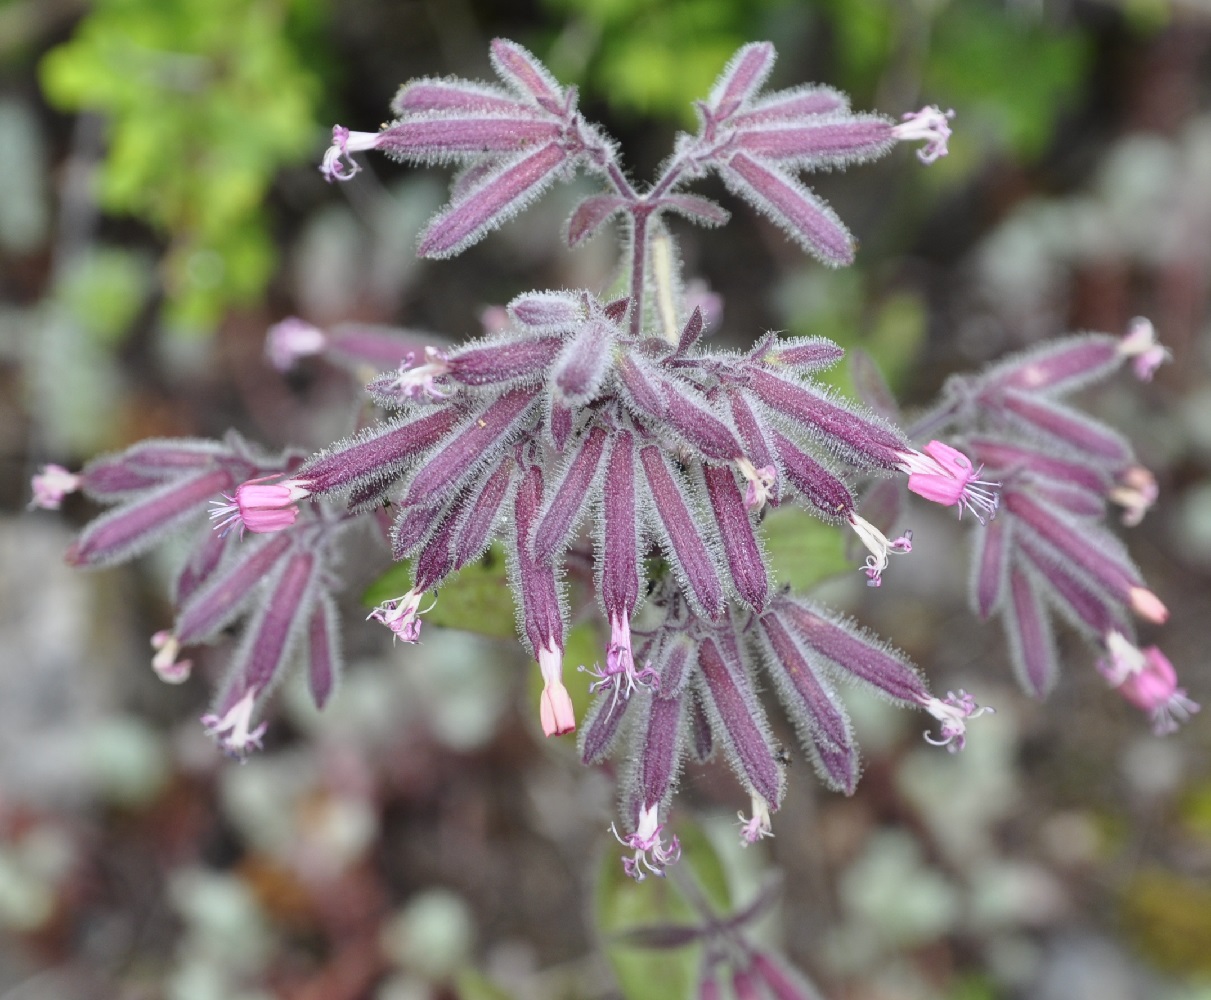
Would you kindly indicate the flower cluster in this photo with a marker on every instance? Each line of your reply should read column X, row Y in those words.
column 515, row 140
column 566, row 417
column 589, row 429
column 281, row 580
column 705, row 699
column 1050, row 549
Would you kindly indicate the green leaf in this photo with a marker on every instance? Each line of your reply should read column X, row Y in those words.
column 896, row 335
column 1168, row 919
column 977, row 57
column 802, row 549
column 204, row 100
column 104, row 289
column 622, row 904
column 972, row 987
column 583, row 647
column 472, row 985
column 701, row 861
column 653, row 57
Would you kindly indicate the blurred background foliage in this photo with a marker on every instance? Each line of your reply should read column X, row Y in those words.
column 161, row 207
column 225, row 85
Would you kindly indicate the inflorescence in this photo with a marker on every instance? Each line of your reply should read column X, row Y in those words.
column 616, row 413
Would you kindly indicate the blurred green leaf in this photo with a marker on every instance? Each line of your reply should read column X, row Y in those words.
column 653, row 57
column 896, row 336
column 864, row 31
column 1169, row 918
column 841, row 306
column 104, row 289
column 701, row 861
column 976, row 65
column 803, row 550
column 204, row 100
column 973, row 988
column 970, row 56
column 622, row 905
column 472, row 985
column 1196, row 810
column 477, row 599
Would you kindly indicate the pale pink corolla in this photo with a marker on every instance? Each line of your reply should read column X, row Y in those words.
column 760, row 483
column 1145, row 351
column 259, row 506
column 1136, row 491
column 619, row 673
column 51, row 485
column 401, row 615
column 651, row 855
column 930, row 125
column 759, row 826
column 555, row 706
column 1146, row 678
column 233, row 730
column 165, row 663
column 945, row 475
column 292, row 339
column 879, row 547
column 1147, row 605
column 337, row 164
column 419, row 381
column 953, row 712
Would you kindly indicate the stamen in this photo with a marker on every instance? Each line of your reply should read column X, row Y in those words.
column 945, row 475
column 337, row 164
column 953, row 713
column 651, row 854
column 757, row 828
column 930, row 124
column 880, row 548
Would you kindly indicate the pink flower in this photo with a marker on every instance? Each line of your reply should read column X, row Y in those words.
column 415, row 381
column 1147, row 353
column 945, row 475
column 337, row 164
column 698, row 295
column 51, row 485
column 953, row 713
column 259, row 506
column 494, row 320
column 1146, row 678
column 930, row 124
column 880, row 548
column 650, row 852
column 555, row 707
column 757, row 828
column 165, row 663
column 402, row 615
column 233, row 730
column 1136, row 491
column 620, row 673
column 292, row 339
column 760, row 483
